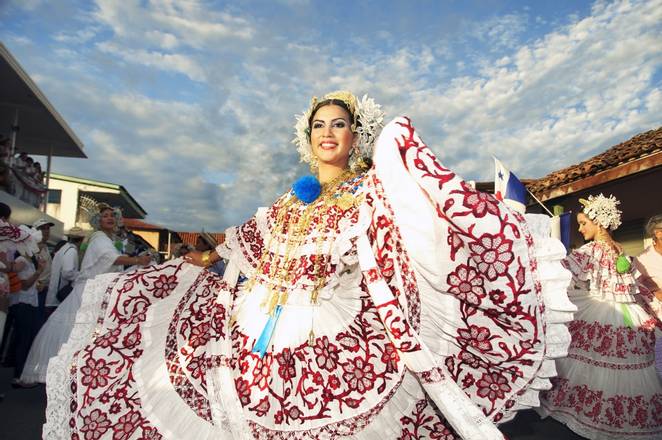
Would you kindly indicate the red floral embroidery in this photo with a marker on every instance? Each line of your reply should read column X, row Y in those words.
column 494, row 254
column 326, row 354
column 163, row 285
column 126, row 425
column 609, row 413
column 466, row 283
column 95, row 425
column 479, row 203
column 477, row 337
column 95, row 373
column 359, row 375
column 286, row 365
column 493, row 386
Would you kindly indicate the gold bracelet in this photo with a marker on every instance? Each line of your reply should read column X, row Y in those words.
column 205, row 258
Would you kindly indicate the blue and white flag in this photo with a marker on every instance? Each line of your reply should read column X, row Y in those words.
column 508, row 188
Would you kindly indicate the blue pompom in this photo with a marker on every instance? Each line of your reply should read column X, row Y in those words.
column 307, row 188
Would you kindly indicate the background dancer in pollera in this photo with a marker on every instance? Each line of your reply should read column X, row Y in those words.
column 381, row 301
column 607, row 387
column 101, row 256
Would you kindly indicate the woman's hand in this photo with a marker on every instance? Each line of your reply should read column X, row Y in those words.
column 143, row 260
column 195, row 258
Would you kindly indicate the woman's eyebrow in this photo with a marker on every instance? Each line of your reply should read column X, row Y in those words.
column 332, row 120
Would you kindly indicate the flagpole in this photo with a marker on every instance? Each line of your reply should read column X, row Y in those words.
column 539, row 202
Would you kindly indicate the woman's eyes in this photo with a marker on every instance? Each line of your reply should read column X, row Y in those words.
column 335, row 124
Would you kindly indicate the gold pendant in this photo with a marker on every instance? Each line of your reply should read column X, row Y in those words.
column 345, row 201
column 311, row 338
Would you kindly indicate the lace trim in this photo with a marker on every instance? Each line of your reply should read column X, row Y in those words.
column 59, row 376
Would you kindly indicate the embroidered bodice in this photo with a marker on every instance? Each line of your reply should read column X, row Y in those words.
column 593, row 268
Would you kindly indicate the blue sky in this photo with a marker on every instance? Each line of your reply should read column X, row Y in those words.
column 190, row 104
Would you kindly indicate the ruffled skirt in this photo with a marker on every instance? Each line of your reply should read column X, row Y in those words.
column 607, row 387
column 52, row 335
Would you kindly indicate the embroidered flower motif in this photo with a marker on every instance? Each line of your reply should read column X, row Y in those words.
column 243, row 391
column 151, row 434
column 359, row 375
column 326, row 354
column 95, row 425
column 126, row 425
column 494, row 255
column 262, row 371
column 480, row 203
column 108, row 339
column 197, row 367
column 294, row 412
column 441, row 432
column 199, row 335
column 95, row 373
column 334, row 382
column 497, row 296
column 466, row 283
column 164, row 285
column 476, row 337
column 493, row 386
column 286, row 367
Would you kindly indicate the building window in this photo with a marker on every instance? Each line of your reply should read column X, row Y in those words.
column 54, row 195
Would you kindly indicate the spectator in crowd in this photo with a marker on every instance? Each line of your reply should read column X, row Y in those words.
column 43, row 225
column 649, row 262
column 24, row 309
column 207, row 243
column 181, row 249
column 64, row 268
column 649, row 265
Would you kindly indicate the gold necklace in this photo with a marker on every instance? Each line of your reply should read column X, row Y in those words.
column 280, row 271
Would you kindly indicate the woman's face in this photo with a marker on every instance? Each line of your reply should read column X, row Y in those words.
column 586, row 227
column 331, row 135
column 107, row 220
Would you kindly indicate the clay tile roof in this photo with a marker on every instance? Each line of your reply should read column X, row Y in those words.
column 191, row 237
column 134, row 223
column 642, row 145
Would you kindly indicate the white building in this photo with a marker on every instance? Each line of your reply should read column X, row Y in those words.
column 72, row 199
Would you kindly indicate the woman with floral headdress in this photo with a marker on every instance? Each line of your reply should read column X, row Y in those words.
column 101, row 256
column 380, row 300
column 607, row 387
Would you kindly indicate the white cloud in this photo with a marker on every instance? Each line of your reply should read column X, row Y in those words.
column 210, row 150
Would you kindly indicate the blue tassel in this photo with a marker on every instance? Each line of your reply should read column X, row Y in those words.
column 262, row 342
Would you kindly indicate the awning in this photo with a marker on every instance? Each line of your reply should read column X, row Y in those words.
column 41, row 128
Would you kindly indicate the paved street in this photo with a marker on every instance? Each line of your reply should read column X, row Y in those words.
column 22, row 414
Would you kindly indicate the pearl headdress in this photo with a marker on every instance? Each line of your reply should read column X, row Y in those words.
column 368, row 123
column 603, row 211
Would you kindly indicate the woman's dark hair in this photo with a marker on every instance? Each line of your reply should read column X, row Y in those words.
column 339, row 103
column 5, row 211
